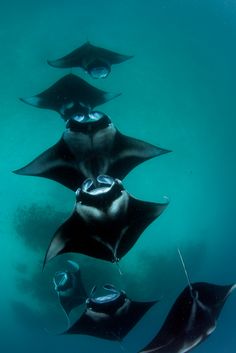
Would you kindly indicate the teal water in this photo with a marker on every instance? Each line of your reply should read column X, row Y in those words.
column 178, row 92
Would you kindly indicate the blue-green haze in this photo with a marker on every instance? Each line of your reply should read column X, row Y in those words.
column 179, row 92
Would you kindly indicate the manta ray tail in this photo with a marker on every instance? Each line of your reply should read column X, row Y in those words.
column 185, row 270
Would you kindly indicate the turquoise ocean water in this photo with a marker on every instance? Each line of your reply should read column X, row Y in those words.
column 177, row 92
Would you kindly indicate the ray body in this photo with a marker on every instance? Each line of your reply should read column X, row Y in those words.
column 69, row 96
column 69, row 287
column 111, row 316
column 90, row 147
column 192, row 318
column 94, row 60
column 106, row 221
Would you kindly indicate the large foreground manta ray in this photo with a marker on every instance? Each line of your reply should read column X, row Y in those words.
column 69, row 96
column 94, row 60
column 90, row 146
column 192, row 318
column 106, row 221
column 111, row 316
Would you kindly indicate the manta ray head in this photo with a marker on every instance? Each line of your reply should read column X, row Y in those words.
column 107, row 303
column 100, row 192
column 72, row 108
column 98, row 68
column 62, row 281
column 88, row 123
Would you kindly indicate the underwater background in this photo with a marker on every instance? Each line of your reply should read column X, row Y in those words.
column 178, row 92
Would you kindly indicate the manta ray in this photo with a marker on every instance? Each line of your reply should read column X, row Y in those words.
column 90, row 146
column 69, row 288
column 69, row 96
column 192, row 318
column 94, row 60
column 106, row 221
column 110, row 316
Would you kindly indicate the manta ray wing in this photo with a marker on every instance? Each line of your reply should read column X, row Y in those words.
column 140, row 215
column 129, row 152
column 75, row 235
column 57, row 163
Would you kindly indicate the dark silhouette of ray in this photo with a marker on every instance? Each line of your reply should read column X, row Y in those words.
column 70, row 288
column 90, row 146
column 94, row 60
column 192, row 318
column 106, row 222
column 69, row 96
column 111, row 316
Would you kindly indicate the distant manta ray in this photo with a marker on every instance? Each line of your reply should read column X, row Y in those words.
column 90, row 146
column 70, row 96
column 69, row 288
column 192, row 318
column 106, row 221
column 94, row 60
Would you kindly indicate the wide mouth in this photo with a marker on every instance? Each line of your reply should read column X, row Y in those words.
column 107, row 303
column 99, row 192
column 102, row 186
column 73, row 108
column 88, row 118
column 90, row 122
column 106, row 298
column 60, row 280
column 98, row 69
